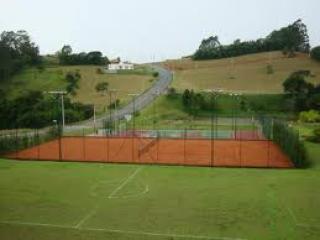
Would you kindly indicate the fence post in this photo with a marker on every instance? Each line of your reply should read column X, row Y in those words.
column 212, row 142
column 158, row 142
column 38, row 144
column 59, row 143
column 16, row 142
column 184, row 146
column 84, row 145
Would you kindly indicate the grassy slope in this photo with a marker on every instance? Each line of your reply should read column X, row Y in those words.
column 248, row 74
column 170, row 113
column 53, row 79
column 236, row 203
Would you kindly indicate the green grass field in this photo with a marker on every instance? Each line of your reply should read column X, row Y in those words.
column 247, row 74
column 50, row 200
column 53, row 79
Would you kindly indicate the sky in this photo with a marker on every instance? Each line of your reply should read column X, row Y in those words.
column 151, row 30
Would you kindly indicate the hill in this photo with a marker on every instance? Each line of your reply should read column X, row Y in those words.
column 53, row 78
column 246, row 74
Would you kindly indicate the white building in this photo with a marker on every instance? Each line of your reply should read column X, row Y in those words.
column 116, row 65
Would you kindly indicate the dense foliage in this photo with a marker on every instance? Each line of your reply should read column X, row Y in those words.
column 310, row 116
column 16, row 52
column 305, row 95
column 315, row 53
column 73, row 82
column 288, row 39
column 35, row 110
column 195, row 102
column 102, row 87
column 66, row 57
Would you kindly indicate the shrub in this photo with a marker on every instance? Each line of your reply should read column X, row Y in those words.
column 315, row 53
column 270, row 69
column 309, row 116
column 172, row 92
column 316, row 136
column 99, row 71
column 102, row 87
column 155, row 74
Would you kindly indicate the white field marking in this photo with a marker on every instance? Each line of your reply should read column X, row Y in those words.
column 146, row 190
column 161, row 234
column 36, row 224
column 93, row 189
column 128, row 179
column 121, row 231
column 297, row 223
column 89, row 215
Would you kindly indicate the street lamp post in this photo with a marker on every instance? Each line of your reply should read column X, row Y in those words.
column 61, row 93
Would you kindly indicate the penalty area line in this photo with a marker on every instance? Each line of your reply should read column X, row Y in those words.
column 127, row 180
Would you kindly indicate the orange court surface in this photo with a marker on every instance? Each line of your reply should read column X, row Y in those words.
column 188, row 152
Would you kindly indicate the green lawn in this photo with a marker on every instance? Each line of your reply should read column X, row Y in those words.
column 47, row 200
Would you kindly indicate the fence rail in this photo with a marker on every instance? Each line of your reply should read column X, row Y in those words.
column 269, row 143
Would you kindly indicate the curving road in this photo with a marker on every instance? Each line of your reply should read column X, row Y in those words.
column 140, row 101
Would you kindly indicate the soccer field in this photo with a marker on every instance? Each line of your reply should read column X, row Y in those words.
column 50, row 200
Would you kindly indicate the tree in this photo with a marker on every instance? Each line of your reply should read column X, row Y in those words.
column 95, row 58
column 315, row 53
column 102, row 87
column 292, row 38
column 17, row 51
column 72, row 78
column 299, row 89
column 295, row 84
column 66, row 57
column 187, row 98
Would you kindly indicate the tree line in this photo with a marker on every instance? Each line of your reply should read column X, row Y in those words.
column 35, row 110
column 16, row 52
column 67, row 57
column 288, row 39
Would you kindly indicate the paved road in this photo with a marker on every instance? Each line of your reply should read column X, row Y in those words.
column 140, row 101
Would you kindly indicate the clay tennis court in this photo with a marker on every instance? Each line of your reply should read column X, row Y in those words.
column 193, row 152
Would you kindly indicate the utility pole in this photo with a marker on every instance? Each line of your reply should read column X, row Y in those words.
column 61, row 93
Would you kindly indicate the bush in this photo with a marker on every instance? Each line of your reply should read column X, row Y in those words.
column 315, row 53
column 309, row 116
column 155, row 74
column 99, row 71
column 316, row 136
column 172, row 92
column 270, row 69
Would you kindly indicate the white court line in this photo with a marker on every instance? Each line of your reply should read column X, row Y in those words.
column 128, row 179
column 122, row 231
column 146, row 190
column 90, row 214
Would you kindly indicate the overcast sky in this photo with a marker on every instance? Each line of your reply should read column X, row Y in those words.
column 138, row 30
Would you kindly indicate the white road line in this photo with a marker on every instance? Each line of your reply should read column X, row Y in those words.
column 122, row 231
column 90, row 214
column 128, row 179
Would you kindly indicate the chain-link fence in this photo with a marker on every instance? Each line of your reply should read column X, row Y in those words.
column 224, row 142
